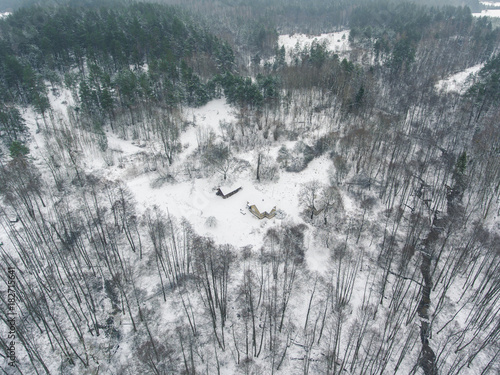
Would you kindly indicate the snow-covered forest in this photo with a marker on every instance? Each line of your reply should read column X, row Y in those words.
column 249, row 187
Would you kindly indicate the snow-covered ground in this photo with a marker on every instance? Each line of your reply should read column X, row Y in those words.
column 488, row 13
column 3, row 15
column 459, row 82
column 207, row 119
column 195, row 199
column 337, row 42
column 490, row 3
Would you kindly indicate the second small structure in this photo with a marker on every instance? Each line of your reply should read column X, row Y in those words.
column 261, row 215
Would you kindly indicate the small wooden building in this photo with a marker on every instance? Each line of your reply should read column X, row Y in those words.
column 261, row 215
column 225, row 196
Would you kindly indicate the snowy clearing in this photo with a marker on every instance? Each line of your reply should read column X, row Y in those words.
column 459, row 82
column 195, row 199
column 488, row 13
column 208, row 119
column 337, row 42
column 490, row 3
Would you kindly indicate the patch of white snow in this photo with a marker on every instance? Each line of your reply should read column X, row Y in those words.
column 459, row 82
column 488, row 13
column 490, row 3
column 337, row 42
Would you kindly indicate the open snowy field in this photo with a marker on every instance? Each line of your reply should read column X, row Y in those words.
column 488, row 13
column 490, row 3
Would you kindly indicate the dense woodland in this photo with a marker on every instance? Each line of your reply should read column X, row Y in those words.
column 103, row 287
